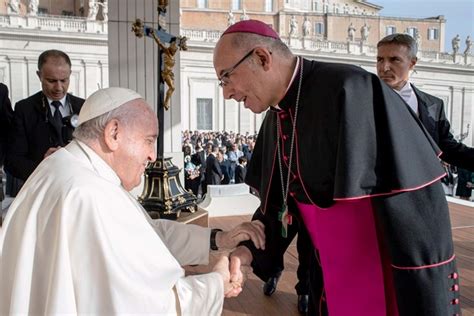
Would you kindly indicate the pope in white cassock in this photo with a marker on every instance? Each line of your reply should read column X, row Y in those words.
column 75, row 241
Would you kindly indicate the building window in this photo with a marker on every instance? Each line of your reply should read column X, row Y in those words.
column 236, row 4
column 389, row 30
column 42, row 11
column 268, row 5
column 433, row 34
column 319, row 28
column 204, row 113
column 412, row 31
column 203, row 4
column 314, row 5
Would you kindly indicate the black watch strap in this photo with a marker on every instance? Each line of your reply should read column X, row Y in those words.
column 213, row 238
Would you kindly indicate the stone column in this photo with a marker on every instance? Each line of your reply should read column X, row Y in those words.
column 469, row 101
column 90, row 69
column 18, row 68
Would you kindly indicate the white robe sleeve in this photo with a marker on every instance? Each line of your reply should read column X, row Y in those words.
column 188, row 243
column 207, row 289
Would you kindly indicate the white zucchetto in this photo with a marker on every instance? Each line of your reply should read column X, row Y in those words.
column 105, row 100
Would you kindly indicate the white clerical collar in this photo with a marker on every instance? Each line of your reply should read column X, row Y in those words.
column 408, row 95
column 295, row 72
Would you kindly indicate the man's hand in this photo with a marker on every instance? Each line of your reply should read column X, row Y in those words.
column 254, row 230
column 239, row 266
column 51, row 150
column 233, row 287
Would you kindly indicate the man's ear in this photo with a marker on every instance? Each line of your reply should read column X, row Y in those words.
column 111, row 137
column 264, row 57
column 413, row 62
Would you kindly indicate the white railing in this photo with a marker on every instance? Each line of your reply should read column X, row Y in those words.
column 201, row 35
column 53, row 23
column 4, row 19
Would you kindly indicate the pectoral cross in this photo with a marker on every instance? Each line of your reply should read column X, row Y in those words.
column 286, row 219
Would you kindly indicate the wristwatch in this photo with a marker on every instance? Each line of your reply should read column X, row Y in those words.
column 213, row 238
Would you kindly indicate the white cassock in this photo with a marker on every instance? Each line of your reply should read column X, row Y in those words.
column 74, row 241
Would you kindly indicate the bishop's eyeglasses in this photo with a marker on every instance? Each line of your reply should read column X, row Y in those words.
column 224, row 79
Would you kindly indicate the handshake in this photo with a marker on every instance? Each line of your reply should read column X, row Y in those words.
column 233, row 270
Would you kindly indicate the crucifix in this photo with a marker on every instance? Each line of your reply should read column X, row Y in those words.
column 163, row 195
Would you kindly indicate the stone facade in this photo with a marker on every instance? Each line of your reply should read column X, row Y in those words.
column 330, row 19
column 24, row 37
column 73, row 8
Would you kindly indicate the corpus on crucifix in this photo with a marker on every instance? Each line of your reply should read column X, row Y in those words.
column 163, row 195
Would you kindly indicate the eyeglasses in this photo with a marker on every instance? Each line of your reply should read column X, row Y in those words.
column 224, row 79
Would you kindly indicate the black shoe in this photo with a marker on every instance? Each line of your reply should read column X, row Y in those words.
column 270, row 286
column 303, row 304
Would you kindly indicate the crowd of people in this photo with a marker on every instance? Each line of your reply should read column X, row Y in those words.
column 213, row 158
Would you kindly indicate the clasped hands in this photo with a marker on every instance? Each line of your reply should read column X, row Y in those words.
column 234, row 271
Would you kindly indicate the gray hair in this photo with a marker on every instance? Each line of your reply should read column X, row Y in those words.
column 401, row 39
column 127, row 114
column 248, row 41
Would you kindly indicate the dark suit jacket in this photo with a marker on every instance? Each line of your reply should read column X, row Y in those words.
column 213, row 170
column 6, row 117
column 225, row 168
column 199, row 159
column 240, row 172
column 33, row 133
column 431, row 114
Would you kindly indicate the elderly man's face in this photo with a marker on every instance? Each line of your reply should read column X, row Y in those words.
column 54, row 76
column 137, row 147
column 394, row 65
column 244, row 81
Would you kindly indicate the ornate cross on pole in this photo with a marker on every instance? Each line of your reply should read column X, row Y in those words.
column 163, row 195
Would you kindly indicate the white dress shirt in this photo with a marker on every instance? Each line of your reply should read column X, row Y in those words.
column 409, row 96
column 64, row 108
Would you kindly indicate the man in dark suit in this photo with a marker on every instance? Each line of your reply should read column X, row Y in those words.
column 225, row 166
column 39, row 123
column 199, row 159
column 6, row 115
column 396, row 57
column 213, row 169
column 241, row 170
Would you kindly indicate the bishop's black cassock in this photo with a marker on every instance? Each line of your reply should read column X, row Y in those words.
column 356, row 140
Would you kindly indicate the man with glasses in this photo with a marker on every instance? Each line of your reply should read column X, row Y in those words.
column 396, row 57
column 339, row 151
